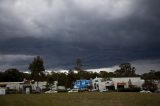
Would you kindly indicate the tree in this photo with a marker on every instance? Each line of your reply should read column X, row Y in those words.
column 111, row 74
column 13, row 75
column 50, row 81
column 71, row 77
column 157, row 74
column 2, row 77
column 150, row 85
column 94, row 75
column 104, row 74
column 126, row 70
column 37, row 68
column 83, row 75
column 27, row 76
column 152, row 75
column 62, row 78
column 78, row 66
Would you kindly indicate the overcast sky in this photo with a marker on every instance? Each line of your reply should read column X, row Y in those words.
column 103, row 33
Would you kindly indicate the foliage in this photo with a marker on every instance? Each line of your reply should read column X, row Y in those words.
column 150, row 85
column 83, row 75
column 105, row 74
column 126, row 70
column 152, row 75
column 129, row 89
column 37, row 68
column 71, row 77
column 11, row 91
column 50, row 81
column 11, row 75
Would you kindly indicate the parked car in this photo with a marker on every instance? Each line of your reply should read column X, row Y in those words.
column 51, row 91
column 145, row 91
column 73, row 90
column 68, row 89
column 104, row 90
column 94, row 90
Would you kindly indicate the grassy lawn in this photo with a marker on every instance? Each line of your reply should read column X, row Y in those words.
column 81, row 99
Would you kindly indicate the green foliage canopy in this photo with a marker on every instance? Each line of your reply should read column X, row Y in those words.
column 37, row 68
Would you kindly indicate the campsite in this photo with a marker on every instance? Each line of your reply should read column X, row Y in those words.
column 79, row 52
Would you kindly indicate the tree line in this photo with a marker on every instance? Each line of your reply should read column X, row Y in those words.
column 37, row 74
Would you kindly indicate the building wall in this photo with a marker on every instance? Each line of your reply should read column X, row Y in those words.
column 41, row 85
column 13, row 85
column 158, row 86
column 96, row 82
column 19, row 85
column 136, row 81
column 102, row 84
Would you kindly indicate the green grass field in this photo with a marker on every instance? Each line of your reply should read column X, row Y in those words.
column 81, row 99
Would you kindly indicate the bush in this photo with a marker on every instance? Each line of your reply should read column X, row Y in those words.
column 46, row 89
column 11, row 91
column 62, row 90
column 129, row 90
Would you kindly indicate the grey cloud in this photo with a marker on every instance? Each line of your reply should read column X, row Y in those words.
column 102, row 32
column 60, row 16
column 147, row 65
column 13, row 58
column 14, row 61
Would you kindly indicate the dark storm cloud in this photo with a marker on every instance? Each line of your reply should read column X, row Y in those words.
column 103, row 33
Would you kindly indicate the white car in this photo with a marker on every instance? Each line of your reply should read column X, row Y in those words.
column 51, row 91
column 104, row 90
column 73, row 90
column 94, row 90
column 145, row 91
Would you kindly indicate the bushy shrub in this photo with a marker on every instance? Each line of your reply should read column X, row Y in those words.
column 11, row 91
column 129, row 90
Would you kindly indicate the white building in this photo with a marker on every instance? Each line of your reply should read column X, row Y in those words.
column 125, row 82
column 116, row 83
column 97, row 82
column 11, row 85
column 21, row 86
column 41, row 85
column 102, row 84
